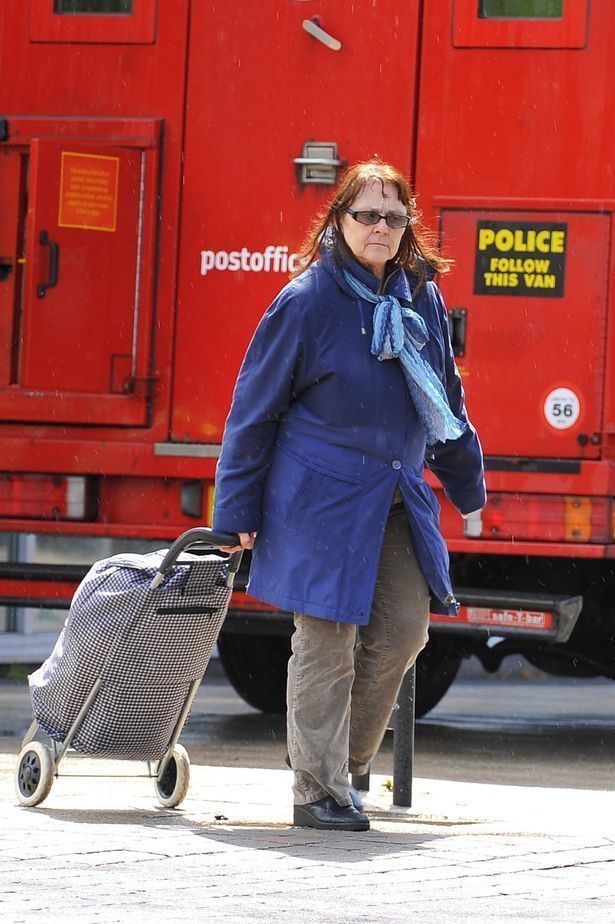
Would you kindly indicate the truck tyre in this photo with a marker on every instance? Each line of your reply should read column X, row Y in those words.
column 436, row 668
column 256, row 667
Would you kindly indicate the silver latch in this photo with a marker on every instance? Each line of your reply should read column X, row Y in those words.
column 319, row 163
column 313, row 28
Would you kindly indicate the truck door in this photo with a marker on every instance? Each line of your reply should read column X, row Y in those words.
column 522, row 216
column 528, row 306
column 280, row 95
column 75, row 308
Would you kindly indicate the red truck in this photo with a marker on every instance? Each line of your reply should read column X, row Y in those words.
column 159, row 166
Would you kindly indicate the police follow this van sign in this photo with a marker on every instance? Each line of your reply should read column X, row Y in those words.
column 520, row 258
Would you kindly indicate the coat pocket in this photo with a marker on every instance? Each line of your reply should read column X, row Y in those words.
column 325, row 502
column 317, row 465
column 307, row 494
column 298, row 502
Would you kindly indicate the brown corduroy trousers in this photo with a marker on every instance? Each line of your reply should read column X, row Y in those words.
column 343, row 679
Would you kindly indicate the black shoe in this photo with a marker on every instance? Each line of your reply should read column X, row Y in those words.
column 354, row 795
column 327, row 815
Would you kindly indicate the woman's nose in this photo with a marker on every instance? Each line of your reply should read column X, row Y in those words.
column 381, row 224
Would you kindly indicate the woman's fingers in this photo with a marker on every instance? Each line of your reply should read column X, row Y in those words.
column 246, row 540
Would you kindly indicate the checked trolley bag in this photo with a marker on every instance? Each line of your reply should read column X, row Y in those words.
column 124, row 672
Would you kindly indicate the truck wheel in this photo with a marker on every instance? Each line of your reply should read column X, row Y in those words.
column 256, row 667
column 436, row 668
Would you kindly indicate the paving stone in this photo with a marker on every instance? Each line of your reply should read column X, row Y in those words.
column 101, row 851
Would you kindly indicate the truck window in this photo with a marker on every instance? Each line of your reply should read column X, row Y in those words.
column 521, row 9
column 127, row 22
column 520, row 23
column 93, row 6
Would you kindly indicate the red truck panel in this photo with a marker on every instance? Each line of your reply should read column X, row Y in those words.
column 533, row 364
column 96, row 81
column 488, row 117
column 278, row 88
column 521, row 121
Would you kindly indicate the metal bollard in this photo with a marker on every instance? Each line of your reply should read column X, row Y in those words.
column 403, row 742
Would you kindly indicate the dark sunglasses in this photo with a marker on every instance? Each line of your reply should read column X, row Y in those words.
column 371, row 217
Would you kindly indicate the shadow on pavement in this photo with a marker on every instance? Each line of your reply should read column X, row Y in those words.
column 333, row 847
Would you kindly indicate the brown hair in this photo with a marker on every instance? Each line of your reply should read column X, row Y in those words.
column 418, row 245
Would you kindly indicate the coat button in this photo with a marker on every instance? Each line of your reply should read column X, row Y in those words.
column 396, row 464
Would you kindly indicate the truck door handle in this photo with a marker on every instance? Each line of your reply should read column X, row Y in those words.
column 313, row 28
column 54, row 264
column 457, row 323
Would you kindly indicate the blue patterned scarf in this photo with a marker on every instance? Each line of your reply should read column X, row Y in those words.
column 395, row 340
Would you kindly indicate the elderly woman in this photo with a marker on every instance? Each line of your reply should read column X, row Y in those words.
column 348, row 385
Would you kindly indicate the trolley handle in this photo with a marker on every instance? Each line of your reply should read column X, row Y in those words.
column 204, row 537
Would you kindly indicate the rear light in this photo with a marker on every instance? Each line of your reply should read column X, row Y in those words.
column 191, row 499
column 547, row 518
column 43, row 497
column 243, row 601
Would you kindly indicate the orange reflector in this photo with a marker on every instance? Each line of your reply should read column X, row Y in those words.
column 45, row 497
column 209, row 505
column 578, row 514
column 546, row 518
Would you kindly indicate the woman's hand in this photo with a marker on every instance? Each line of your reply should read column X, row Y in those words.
column 246, row 539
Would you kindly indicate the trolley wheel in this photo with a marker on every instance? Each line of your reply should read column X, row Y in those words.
column 35, row 772
column 172, row 786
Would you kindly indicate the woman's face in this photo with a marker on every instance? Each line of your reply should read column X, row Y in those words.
column 374, row 245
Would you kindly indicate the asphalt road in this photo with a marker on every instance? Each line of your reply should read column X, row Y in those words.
column 556, row 733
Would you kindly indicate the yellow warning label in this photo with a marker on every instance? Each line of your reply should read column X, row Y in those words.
column 520, row 258
column 88, row 191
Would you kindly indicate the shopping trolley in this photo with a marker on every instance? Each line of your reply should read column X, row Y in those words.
column 124, row 672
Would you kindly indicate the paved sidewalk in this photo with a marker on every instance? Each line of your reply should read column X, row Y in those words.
column 99, row 850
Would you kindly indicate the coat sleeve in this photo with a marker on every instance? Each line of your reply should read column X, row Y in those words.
column 272, row 373
column 457, row 463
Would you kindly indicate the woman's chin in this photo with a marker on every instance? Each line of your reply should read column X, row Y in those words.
column 375, row 263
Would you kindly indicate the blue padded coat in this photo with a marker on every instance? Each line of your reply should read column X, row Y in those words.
column 319, row 436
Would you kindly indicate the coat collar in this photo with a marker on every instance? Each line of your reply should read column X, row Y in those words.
column 399, row 283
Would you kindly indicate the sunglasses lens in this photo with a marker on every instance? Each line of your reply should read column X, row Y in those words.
column 397, row 221
column 368, row 218
column 371, row 217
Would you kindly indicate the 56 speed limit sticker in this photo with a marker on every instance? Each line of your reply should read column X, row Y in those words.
column 562, row 408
